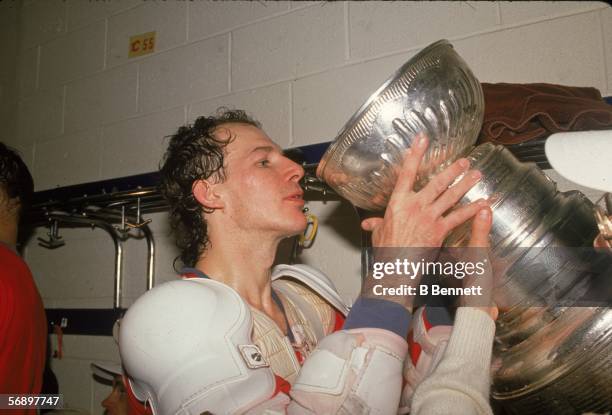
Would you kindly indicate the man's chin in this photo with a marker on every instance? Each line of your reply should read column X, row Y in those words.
column 297, row 232
column 298, row 229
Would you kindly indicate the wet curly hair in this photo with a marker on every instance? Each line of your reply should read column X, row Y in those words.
column 15, row 179
column 195, row 153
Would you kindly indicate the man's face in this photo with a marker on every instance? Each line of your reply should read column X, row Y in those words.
column 261, row 190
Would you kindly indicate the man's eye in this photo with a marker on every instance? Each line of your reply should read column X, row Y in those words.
column 263, row 163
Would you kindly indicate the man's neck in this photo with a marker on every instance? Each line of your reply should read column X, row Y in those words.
column 244, row 264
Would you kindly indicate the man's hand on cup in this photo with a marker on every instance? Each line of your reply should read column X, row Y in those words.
column 478, row 251
column 420, row 221
column 417, row 219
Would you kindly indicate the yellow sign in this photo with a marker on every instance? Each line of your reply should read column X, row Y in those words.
column 142, row 44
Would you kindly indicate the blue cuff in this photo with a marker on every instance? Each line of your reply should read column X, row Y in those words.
column 380, row 314
column 438, row 316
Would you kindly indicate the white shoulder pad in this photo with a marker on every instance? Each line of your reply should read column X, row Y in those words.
column 187, row 348
column 315, row 280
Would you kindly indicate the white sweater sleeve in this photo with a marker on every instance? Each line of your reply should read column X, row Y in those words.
column 460, row 383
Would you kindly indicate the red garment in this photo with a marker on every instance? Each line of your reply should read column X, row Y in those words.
column 135, row 407
column 414, row 348
column 23, row 329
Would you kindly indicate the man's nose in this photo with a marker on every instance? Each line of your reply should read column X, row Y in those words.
column 295, row 171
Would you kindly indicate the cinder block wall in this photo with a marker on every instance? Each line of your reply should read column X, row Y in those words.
column 9, row 37
column 80, row 110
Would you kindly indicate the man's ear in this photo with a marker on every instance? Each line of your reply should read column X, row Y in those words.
column 205, row 193
column 10, row 206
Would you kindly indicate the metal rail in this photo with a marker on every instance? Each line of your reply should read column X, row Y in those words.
column 62, row 217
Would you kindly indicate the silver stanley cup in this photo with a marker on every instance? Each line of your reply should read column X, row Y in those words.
column 553, row 342
column 549, row 357
column 434, row 93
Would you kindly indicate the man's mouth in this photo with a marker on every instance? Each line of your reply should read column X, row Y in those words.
column 296, row 197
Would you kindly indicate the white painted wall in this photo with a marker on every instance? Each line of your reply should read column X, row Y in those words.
column 86, row 112
column 9, row 36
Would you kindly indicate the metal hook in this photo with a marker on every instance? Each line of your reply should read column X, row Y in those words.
column 139, row 223
column 122, row 229
column 54, row 241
